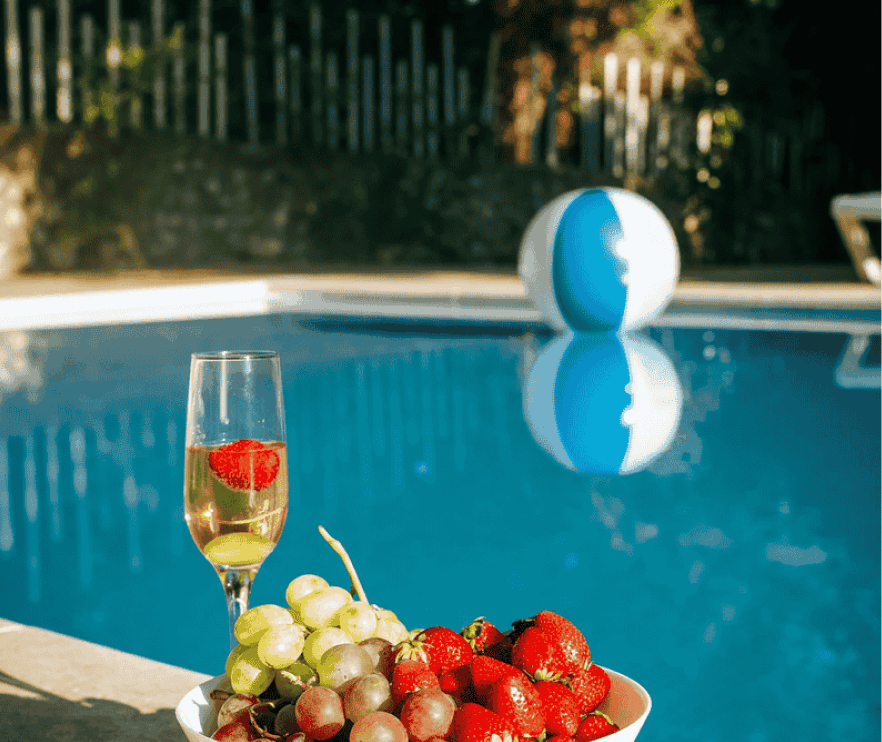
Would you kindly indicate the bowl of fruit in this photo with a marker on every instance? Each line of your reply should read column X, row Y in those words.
column 331, row 667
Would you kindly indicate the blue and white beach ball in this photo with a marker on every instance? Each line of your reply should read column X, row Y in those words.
column 601, row 403
column 599, row 259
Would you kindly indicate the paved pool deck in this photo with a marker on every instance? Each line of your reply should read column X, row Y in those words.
column 56, row 688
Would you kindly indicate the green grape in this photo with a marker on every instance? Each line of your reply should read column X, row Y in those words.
column 343, row 663
column 393, row 631
column 249, row 674
column 233, row 656
column 318, row 608
column 385, row 614
column 320, row 641
column 301, row 586
column 251, row 625
column 357, row 619
column 291, row 681
column 281, row 645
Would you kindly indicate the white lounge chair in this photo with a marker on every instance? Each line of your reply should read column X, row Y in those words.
column 850, row 212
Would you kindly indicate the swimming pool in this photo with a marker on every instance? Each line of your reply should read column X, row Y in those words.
column 737, row 577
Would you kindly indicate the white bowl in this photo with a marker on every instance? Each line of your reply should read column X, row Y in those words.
column 627, row 704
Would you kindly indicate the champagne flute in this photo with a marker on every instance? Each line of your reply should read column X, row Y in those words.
column 236, row 466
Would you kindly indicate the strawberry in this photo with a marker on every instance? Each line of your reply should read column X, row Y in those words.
column 566, row 635
column 590, row 687
column 537, row 655
column 562, row 713
column 440, row 648
column 595, row 726
column 474, row 723
column 408, row 677
column 484, row 638
column 560, row 738
column 457, row 682
column 515, row 698
column 245, row 465
column 485, row 672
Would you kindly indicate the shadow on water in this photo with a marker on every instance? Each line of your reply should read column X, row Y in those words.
column 46, row 717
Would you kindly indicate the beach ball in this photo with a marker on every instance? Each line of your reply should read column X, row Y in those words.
column 599, row 259
column 602, row 403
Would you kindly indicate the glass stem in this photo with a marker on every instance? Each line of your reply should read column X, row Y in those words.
column 237, row 586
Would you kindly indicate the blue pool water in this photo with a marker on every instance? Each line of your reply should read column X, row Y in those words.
column 737, row 577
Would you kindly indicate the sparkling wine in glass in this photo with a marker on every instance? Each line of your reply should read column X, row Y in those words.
column 236, row 466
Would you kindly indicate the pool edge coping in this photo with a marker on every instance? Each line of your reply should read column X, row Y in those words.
column 42, row 303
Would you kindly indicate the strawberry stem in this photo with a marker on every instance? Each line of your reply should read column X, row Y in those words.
column 353, row 575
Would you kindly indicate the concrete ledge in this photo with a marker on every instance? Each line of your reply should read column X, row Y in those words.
column 33, row 303
column 55, row 687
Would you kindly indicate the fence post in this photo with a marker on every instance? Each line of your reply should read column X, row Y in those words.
column 64, row 95
column 13, row 62
column 416, row 73
column 87, row 43
column 368, row 103
column 352, row 77
column 333, row 109
column 114, row 59
column 250, row 69
column 532, row 116
column 488, row 106
column 136, row 105
column 432, row 109
column 316, row 67
column 38, row 75
column 295, row 87
column 449, row 90
column 179, row 81
column 280, row 78
column 678, row 124
column 463, row 101
column 220, row 87
column 632, row 104
column 158, row 13
column 204, row 95
column 385, row 84
column 401, row 105
column 610, row 83
column 552, row 156
column 656, row 82
column 589, row 109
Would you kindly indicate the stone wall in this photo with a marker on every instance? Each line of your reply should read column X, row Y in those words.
column 157, row 202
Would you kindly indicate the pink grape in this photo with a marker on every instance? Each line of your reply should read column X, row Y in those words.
column 378, row 726
column 366, row 694
column 428, row 713
column 235, row 708
column 383, row 660
column 319, row 712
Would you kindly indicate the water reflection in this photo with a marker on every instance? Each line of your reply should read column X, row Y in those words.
column 601, row 403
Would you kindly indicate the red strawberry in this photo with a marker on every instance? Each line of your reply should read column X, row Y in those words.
column 537, row 655
column 474, row 723
column 590, row 687
column 439, row 647
column 562, row 713
column 484, row 638
column 566, row 635
column 595, row 726
column 515, row 698
column 457, row 682
column 485, row 672
column 245, row 465
column 408, row 677
column 561, row 738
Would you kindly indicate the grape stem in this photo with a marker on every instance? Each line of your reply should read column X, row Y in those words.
column 353, row 575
